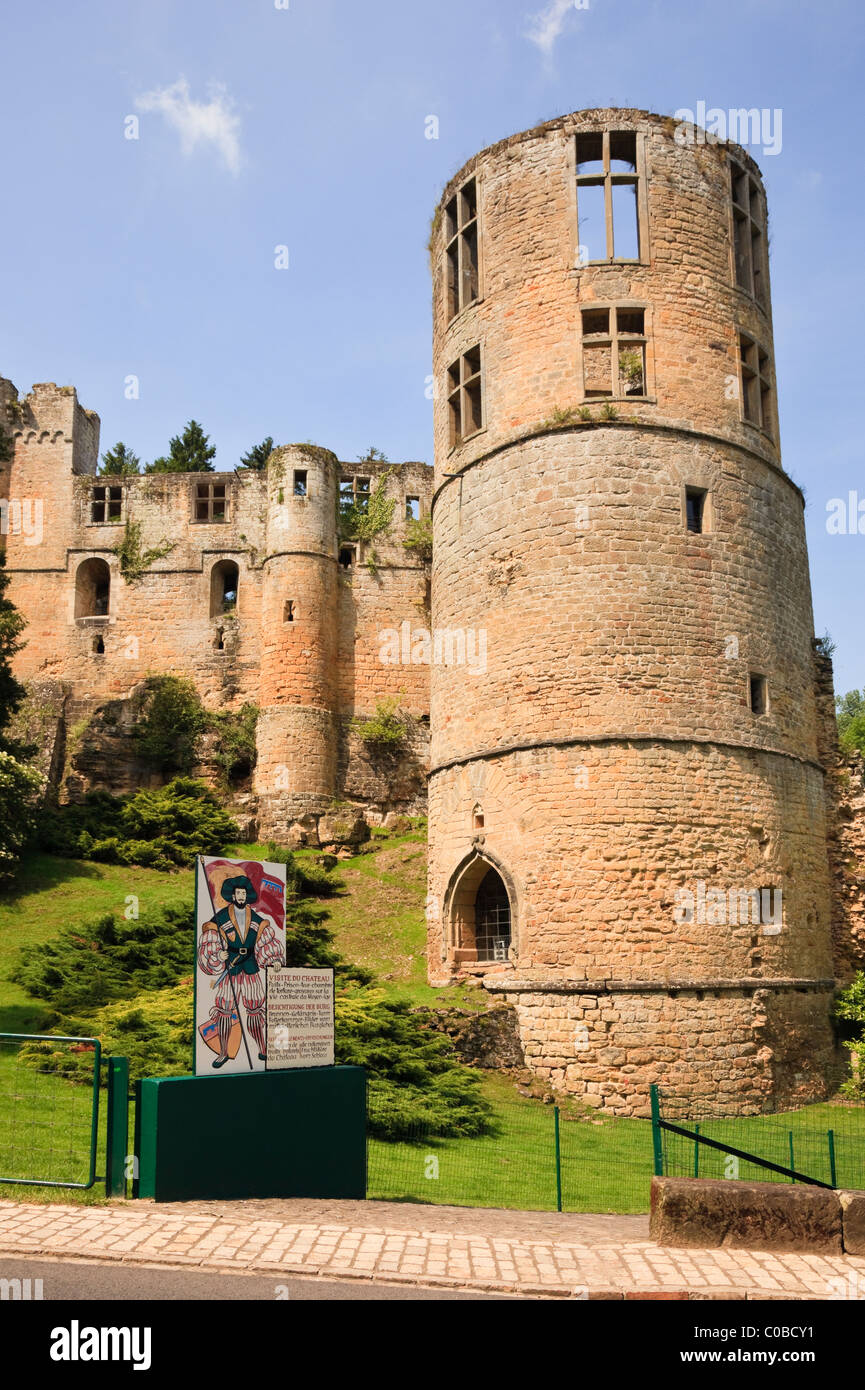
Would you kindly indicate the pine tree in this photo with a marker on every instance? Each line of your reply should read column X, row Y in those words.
column 190, row 452
column 119, row 461
column 258, row 454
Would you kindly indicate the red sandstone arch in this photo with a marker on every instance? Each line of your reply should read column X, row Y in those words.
column 480, row 884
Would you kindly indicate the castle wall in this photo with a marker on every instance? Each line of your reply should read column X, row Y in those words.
column 605, row 757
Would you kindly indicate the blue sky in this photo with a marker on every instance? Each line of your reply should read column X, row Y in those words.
column 304, row 127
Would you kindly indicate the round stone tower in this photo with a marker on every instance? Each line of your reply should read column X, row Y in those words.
column 297, row 730
column 627, row 811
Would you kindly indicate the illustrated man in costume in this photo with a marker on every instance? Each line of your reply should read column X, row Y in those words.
column 235, row 946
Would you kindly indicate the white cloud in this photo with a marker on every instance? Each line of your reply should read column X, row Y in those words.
column 546, row 26
column 213, row 122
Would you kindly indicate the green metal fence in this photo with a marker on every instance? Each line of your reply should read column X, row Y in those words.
column 822, row 1145
column 53, row 1129
column 536, row 1159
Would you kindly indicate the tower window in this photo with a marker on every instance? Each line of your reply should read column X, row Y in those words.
column 412, row 509
column 98, row 645
column 288, row 611
column 353, row 494
column 477, row 818
column 347, row 556
column 749, row 220
column 614, row 352
column 224, row 580
column 758, row 694
column 756, row 384
column 300, row 482
column 492, row 918
column 608, row 204
column 106, row 504
column 695, row 509
column 461, row 250
column 465, row 397
column 93, row 589
column 210, row 502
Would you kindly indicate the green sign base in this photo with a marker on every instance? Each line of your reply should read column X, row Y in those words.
column 263, row 1134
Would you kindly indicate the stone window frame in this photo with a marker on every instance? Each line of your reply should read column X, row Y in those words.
column 479, row 858
column 750, row 273
column 755, row 367
column 198, row 498
column 107, row 501
column 762, row 681
column 460, row 382
column 359, row 494
column 708, row 511
column 608, row 178
column 612, row 338
column 300, row 483
column 411, row 497
column 456, row 226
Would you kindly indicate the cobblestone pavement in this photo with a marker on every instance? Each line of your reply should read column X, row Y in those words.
column 535, row 1253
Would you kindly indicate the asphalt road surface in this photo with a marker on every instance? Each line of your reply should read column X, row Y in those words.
column 79, row 1280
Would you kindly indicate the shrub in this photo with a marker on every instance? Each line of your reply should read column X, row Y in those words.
column 19, row 787
column 850, row 1011
column 385, row 731
column 171, row 722
column 419, row 537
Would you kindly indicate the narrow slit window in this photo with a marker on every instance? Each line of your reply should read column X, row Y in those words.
column 758, row 694
column 288, row 611
column 412, row 509
column 300, row 482
column 695, row 509
column 608, row 196
column 462, row 280
column 98, row 646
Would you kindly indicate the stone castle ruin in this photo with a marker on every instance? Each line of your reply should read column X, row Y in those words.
column 616, row 693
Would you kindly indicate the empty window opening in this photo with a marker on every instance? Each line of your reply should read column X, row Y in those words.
column 361, row 494
column 224, row 580
column 695, row 509
column 300, row 482
column 608, row 215
column 106, row 504
column 98, row 646
column 354, row 494
column 219, row 640
column 749, row 220
column 478, row 818
column 288, row 611
column 412, row 509
column 492, row 918
column 465, row 402
column 757, row 407
column 758, row 694
column 461, row 250
column 93, row 589
column 614, row 352
column 210, row 502
column 346, row 557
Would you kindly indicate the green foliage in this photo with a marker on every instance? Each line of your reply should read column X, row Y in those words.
column 419, row 537
column 413, row 1078
column 850, row 1011
column 384, row 731
column 172, row 720
column 20, row 786
column 161, row 829
column 87, row 966
column 851, row 721
column 235, row 748
column 258, row 454
column 11, row 690
column 373, row 455
column 7, row 448
column 363, row 522
column 119, row 462
column 609, row 412
column 631, row 366
column 189, row 452
column 134, row 562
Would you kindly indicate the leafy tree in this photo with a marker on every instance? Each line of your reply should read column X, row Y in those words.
column 19, row 784
column 851, row 721
column 372, row 455
column 189, row 452
column 258, row 454
column 119, row 462
column 173, row 719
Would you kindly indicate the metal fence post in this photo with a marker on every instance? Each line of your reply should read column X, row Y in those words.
column 833, row 1174
column 117, row 1136
column 792, row 1155
column 558, row 1159
column 657, row 1146
column 696, row 1153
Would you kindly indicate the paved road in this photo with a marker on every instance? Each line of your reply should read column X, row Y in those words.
column 78, row 1281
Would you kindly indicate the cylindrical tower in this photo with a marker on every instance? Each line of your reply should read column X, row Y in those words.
column 297, row 729
column 627, row 817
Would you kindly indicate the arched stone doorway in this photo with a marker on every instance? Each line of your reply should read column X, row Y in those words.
column 92, row 589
